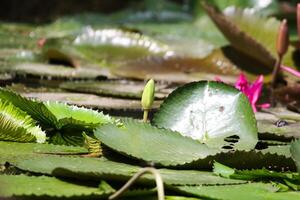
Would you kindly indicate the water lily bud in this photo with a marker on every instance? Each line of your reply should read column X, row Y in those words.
column 298, row 19
column 148, row 95
column 282, row 38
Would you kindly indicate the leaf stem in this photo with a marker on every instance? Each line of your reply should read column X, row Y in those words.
column 145, row 117
column 158, row 180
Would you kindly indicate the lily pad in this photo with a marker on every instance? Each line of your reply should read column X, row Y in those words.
column 295, row 150
column 48, row 71
column 18, row 126
column 146, row 142
column 250, row 191
column 195, row 111
column 250, row 33
column 43, row 187
column 179, row 69
column 101, row 169
column 90, row 101
column 13, row 151
column 103, row 47
column 115, row 88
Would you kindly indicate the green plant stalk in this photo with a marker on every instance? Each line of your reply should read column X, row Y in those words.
column 145, row 117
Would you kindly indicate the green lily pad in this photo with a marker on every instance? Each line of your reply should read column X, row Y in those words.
column 101, row 169
column 146, row 142
column 211, row 113
column 295, row 150
column 258, row 191
column 90, row 100
column 13, row 151
column 48, row 71
column 267, row 124
column 180, row 69
column 103, row 47
column 43, row 187
column 255, row 174
column 18, row 126
column 115, row 88
column 250, row 33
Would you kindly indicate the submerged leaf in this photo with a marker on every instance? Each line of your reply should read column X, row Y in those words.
column 16, row 125
column 210, row 112
column 152, row 144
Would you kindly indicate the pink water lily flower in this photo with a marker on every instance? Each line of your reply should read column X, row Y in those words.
column 252, row 91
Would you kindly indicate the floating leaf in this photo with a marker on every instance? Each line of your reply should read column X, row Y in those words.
column 257, row 40
column 254, row 175
column 115, row 88
column 179, row 69
column 259, row 191
column 278, row 124
column 210, row 112
column 77, row 116
column 101, row 169
column 89, row 100
column 152, row 144
column 37, row 110
column 103, row 47
column 43, row 187
column 16, row 125
column 12, row 151
column 295, row 150
column 47, row 71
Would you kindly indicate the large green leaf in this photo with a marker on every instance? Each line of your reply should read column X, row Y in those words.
column 49, row 71
column 37, row 110
column 295, row 150
column 97, row 169
column 257, row 191
column 250, row 33
column 22, row 186
column 210, row 112
column 57, row 115
column 103, row 47
column 69, row 115
column 114, row 88
column 12, row 151
column 146, row 142
column 16, row 125
column 254, row 175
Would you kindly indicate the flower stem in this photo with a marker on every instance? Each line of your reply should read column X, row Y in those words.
column 158, row 180
column 145, row 117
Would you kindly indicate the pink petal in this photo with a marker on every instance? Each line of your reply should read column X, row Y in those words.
column 242, row 83
column 264, row 105
column 253, row 107
column 290, row 70
column 255, row 89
